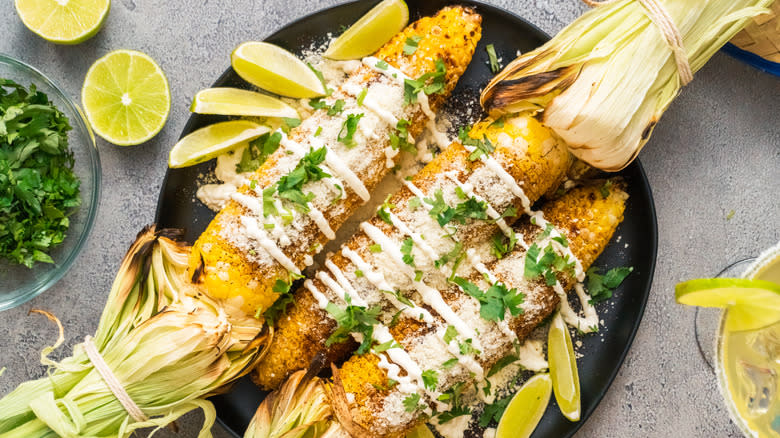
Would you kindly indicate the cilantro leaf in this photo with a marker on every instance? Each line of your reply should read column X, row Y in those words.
column 495, row 302
column 430, row 379
column 429, row 83
column 600, row 286
column 410, row 45
column 38, row 188
column 353, row 319
column 494, row 411
column 258, row 151
column 412, row 402
column 348, row 129
column 406, row 250
column 450, row 334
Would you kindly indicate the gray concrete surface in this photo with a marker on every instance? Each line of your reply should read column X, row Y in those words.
column 716, row 150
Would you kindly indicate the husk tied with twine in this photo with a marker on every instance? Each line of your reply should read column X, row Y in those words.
column 168, row 345
column 604, row 81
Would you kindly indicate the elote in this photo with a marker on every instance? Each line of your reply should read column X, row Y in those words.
column 415, row 371
column 328, row 165
column 465, row 195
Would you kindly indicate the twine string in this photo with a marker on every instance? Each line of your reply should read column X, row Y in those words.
column 112, row 382
column 660, row 16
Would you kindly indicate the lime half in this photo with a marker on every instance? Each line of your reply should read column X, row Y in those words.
column 63, row 21
column 213, row 140
column 563, row 369
column 371, row 32
column 274, row 69
column 526, row 408
column 236, row 102
column 126, row 97
column 752, row 304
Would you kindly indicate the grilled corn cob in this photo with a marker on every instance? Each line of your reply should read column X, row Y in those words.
column 257, row 239
column 583, row 216
column 525, row 153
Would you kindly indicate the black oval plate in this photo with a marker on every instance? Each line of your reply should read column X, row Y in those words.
column 635, row 243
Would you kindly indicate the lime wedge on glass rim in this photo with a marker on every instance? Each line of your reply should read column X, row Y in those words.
column 752, row 304
column 126, row 97
column 276, row 70
column 212, row 141
column 371, row 32
column 526, row 408
column 237, row 102
column 63, row 21
column 563, row 369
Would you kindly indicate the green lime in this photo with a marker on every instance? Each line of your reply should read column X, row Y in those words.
column 371, row 32
column 237, row 102
column 563, row 369
column 274, row 69
column 63, row 21
column 421, row 431
column 213, row 140
column 752, row 304
column 526, row 408
column 126, row 97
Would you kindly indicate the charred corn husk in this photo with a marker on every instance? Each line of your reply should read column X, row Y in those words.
column 270, row 230
column 492, row 190
column 168, row 345
column 373, row 396
column 583, row 216
column 604, row 81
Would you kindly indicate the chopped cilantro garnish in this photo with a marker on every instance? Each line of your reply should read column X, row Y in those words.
column 362, row 96
column 600, row 286
column 318, row 131
column 412, row 402
column 386, row 346
column 440, row 211
column 452, row 397
column 501, row 364
column 546, row 263
column 429, row 83
column 289, row 123
column 454, row 254
column 605, row 189
column 430, row 379
column 495, row 67
column 467, row 347
column 348, row 129
column 418, row 275
column 470, row 209
column 353, row 319
column 279, row 307
column 448, row 364
column 414, row 202
column 258, row 151
column 493, row 411
column 269, row 208
column 375, row 248
column 359, row 273
column 406, row 250
column 382, row 65
column 290, row 186
column 401, row 299
column 450, row 334
column 495, row 301
column 410, row 46
column 482, row 147
column 319, row 103
column 321, row 77
column 399, row 138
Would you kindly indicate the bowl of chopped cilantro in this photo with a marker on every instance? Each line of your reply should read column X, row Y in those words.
column 49, row 182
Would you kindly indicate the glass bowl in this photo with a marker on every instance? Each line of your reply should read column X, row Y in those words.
column 18, row 283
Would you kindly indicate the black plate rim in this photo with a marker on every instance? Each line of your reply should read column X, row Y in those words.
column 646, row 192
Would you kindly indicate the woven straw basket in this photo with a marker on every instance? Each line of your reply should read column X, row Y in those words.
column 762, row 35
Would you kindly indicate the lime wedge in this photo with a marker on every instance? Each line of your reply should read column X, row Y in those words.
column 752, row 304
column 63, row 21
column 126, row 97
column 526, row 408
column 213, row 140
column 371, row 32
column 237, row 102
column 563, row 369
column 421, row 431
column 274, row 69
